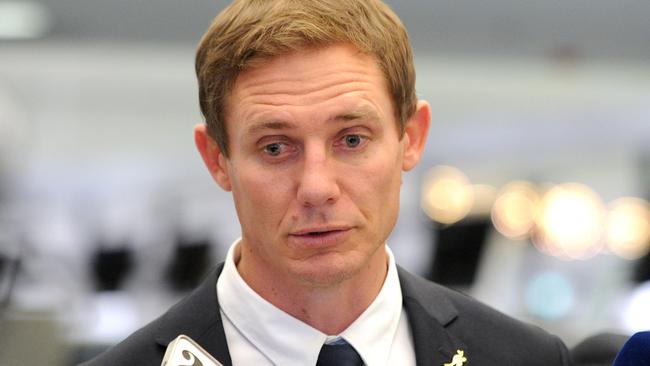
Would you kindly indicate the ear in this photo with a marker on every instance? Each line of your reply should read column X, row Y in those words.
column 415, row 135
column 213, row 157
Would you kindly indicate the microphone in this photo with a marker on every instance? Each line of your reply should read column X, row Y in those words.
column 635, row 352
column 184, row 351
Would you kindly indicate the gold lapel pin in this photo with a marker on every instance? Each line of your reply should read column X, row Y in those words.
column 458, row 360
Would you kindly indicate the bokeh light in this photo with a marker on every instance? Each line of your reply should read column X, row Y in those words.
column 447, row 195
column 550, row 295
column 636, row 316
column 628, row 227
column 514, row 211
column 570, row 223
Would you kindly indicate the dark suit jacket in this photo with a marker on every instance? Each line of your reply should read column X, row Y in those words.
column 442, row 321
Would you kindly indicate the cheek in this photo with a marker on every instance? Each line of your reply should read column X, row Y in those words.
column 260, row 197
column 377, row 189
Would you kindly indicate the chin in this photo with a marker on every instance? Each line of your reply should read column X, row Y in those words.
column 326, row 272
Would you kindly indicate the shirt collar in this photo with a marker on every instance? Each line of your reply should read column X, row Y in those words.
column 286, row 340
column 373, row 333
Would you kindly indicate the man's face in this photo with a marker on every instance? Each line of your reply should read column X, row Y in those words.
column 314, row 165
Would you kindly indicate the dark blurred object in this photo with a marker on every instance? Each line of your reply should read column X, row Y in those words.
column 8, row 272
column 111, row 266
column 191, row 261
column 642, row 271
column 635, row 352
column 85, row 352
column 458, row 251
column 598, row 350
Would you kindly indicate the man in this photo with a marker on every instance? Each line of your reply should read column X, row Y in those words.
column 311, row 118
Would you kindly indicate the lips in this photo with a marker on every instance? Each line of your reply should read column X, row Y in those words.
column 319, row 237
column 318, row 231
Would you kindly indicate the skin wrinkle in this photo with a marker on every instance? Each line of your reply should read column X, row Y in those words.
column 314, row 90
column 251, row 99
column 354, row 73
column 299, row 85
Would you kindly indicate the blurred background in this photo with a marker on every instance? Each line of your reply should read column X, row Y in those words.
column 532, row 194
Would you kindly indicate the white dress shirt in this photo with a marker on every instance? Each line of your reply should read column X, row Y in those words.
column 258, row 333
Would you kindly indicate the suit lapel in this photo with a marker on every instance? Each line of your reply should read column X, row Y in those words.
column 429, row 313
column 198, row 317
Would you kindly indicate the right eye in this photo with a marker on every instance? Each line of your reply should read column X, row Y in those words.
column 274, row 149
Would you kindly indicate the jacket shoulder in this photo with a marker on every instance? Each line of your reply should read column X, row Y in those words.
column 492, row 336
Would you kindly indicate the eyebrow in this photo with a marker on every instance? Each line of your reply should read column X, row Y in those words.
column 357, row 114
column 269, row 125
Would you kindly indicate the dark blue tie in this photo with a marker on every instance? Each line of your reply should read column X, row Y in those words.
column 339, row 354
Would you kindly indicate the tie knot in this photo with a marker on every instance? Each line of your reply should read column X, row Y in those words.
column 339, row 354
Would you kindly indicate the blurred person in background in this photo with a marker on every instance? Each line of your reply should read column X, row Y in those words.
column 311, row 118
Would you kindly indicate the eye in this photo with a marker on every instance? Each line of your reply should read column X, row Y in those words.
column 273, row 149
column 352, row 140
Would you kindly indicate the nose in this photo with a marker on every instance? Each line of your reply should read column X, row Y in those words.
column 318, row 181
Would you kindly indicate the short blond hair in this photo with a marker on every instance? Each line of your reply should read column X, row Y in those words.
column 248, row 31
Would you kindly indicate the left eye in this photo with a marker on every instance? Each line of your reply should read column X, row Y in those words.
column 352, row 140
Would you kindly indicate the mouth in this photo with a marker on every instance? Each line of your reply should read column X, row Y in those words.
column 316, row 232
column 320, row 237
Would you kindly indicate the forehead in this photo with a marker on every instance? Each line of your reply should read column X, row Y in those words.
column 310, row 77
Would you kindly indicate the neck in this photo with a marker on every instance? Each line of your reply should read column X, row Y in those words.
column 329, row 308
